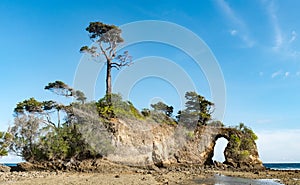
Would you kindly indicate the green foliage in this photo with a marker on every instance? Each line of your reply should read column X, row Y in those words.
column 79, row 95
column 247, row 144
column 216, row 124
column 162, row 118
column 246, row 130
column 106, row 39
column 98, row 30
column 235, row 139
column 63, row 144
column 162, row 107
column 105, row 108
column 190, row 135
column 35, row 142
column 36, row 137
column 197, row 112
column 242, row 143
column 117, row 108
column 31, row 106
column 134, row 111
column 60, row 88
column 25, row 133
column 5, row 138
column 243, row 155
column 146, row 112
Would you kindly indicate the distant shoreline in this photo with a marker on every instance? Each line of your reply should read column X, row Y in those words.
column 272, row 166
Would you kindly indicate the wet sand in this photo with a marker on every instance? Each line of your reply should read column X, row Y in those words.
column 226, row 180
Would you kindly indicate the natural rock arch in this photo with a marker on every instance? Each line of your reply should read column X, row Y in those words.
column 159, row 146
column 219, row 149
column 201, row 149
column 225, row 135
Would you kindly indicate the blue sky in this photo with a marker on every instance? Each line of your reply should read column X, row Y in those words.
column 254, row 41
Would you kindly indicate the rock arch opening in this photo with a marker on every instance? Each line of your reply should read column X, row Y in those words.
column 219, row 148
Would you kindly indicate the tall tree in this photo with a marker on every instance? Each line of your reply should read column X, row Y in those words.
column 106, row 38
column 198, row 109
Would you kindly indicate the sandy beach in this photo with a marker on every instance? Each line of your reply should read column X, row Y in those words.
column 163, row 176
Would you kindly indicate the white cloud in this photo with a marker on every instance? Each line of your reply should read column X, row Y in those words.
column 237, row 22
column 280, row 73
column 274, row 21
column 293, row 36
column 277, row 73
column 286, row 74
column 233, row 32
column 282, row 41
column 279, row 145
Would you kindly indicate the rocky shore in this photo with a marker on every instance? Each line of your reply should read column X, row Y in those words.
column 161, row 154
column 109, row 173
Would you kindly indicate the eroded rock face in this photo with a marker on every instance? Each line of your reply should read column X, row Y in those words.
column 162, row 145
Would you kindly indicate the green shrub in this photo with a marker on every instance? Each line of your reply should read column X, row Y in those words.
column 243, row 155
column 117, row 108
column 5, row 138
column 160, row 117
column 190, row 135
column 145, row 112
column 246, row 130
column 215, row 124
column 236, row 140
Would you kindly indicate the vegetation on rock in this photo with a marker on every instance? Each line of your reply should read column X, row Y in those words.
column 241, row 144
column 197, row 112
column 5, row 138
column 48, row 130
column 39, row 131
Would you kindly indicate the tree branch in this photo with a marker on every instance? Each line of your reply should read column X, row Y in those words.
column 103, row 51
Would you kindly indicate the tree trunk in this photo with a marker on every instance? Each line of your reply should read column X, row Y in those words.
column 58, row 119
column 108, row 81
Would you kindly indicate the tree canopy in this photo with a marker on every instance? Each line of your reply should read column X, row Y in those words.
column 198, row 110
column 162, row 107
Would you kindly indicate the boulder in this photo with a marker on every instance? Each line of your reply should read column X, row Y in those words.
column 4, row 168
column 25, row 166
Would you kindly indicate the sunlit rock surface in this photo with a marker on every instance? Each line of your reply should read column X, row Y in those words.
column 139, row 143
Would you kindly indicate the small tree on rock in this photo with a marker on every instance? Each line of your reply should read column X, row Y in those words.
column 198, row 110
column 162, row 107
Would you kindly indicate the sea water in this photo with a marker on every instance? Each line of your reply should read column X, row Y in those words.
column 283, row 166
column 226, row 180
column 10, row 164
